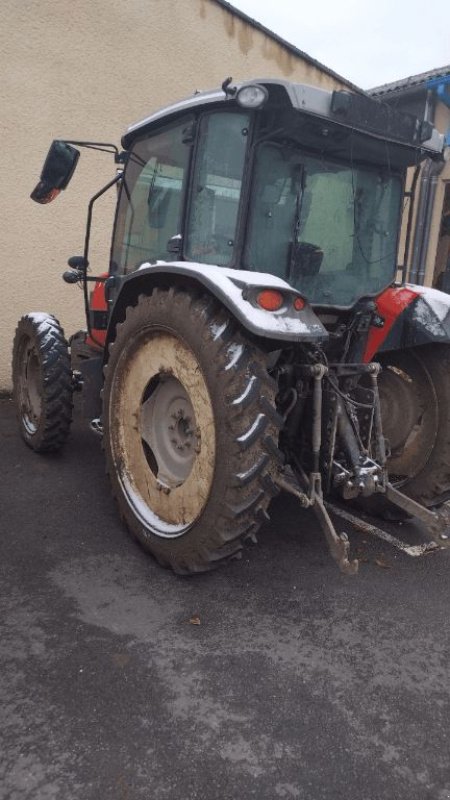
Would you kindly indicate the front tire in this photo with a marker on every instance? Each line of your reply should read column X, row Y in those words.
column 42, row 382
column 190, row 430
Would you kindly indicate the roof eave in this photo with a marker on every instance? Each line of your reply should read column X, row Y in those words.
column 414, row 84
column 288, row 46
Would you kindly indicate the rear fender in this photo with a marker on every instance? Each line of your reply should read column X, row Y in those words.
column 410, row 316
column 236, row 290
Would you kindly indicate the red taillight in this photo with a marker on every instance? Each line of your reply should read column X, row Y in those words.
column 299, row 303
column 270, row 299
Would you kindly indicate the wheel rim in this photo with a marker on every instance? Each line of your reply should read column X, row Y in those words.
column 409, row 411
column 162, row 432
column 169, row 429
column 30, row 398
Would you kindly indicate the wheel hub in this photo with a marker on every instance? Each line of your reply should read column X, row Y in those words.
column 182, row 430
column 168, row 427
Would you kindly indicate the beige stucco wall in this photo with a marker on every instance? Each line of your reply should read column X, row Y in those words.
column 442, row 123
column 85, row 70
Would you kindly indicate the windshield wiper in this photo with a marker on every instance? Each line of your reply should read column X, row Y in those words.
column 294, row 261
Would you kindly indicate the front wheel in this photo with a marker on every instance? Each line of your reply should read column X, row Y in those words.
column 42, row 382
column 190, row 430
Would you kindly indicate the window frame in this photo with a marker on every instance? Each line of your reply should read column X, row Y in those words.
column 235, row 261
column 123, row 201
column 396, row 172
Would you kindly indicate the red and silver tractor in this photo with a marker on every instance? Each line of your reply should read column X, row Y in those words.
column 250, row 335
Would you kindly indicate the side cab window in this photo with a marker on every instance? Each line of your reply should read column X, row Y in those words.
column 216, row 187
column 151, row 202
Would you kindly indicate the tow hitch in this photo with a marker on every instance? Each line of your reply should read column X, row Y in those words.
column 360, row 469
column 338, row 543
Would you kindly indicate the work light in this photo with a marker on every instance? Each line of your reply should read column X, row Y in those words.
column 253, row 96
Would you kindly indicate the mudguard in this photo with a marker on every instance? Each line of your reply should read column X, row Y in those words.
column 237, row 291
column 409, row 316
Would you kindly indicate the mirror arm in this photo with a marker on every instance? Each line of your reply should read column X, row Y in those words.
column 104, row 147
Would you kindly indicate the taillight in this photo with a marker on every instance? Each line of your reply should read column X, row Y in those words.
column 299, row 303
column 270, row 299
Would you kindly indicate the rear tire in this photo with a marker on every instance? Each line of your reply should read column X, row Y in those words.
column 42, row 382
column 190, row 430
column 415, row 404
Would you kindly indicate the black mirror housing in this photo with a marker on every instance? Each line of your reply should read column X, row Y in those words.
column 57, row 171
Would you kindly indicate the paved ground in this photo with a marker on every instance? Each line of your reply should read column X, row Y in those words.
column 298, row 683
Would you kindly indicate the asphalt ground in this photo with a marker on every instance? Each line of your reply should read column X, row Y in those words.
column 299, row 682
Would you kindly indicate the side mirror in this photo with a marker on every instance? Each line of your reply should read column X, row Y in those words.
column 58, row 169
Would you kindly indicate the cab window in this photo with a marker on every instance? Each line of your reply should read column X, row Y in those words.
column 151, row 200
column 216, row 188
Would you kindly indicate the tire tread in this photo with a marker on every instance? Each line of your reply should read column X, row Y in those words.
column 246, row 394
column 51, row 346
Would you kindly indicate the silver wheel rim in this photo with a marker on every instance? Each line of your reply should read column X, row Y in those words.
column 30, row 398
column 162, row 433
column 169, row 429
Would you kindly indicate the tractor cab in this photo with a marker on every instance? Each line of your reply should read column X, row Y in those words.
column 271, row 177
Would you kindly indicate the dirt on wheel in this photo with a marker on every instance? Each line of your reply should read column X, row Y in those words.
column 190, row 430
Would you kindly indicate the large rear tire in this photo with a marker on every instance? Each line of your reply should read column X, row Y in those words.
column 415, row 405
column 190, row 430
column 42, row 382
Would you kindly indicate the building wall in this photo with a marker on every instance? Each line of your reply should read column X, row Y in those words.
column 86, row 70
column 435, row 255
column 435, row 252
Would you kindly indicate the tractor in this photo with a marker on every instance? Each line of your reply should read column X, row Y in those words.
column 254, row 331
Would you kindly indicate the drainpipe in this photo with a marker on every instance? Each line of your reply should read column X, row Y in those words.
column 422, row 206
column 428, row 184
column 433, row 169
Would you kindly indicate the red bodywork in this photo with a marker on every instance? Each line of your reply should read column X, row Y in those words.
column 98, row 303
column 390, row 304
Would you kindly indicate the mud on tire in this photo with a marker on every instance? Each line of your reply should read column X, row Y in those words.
column 415, row 397
column 190, row 430
column 42, row 382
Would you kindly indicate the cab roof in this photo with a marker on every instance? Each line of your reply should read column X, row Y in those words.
column 347, row 109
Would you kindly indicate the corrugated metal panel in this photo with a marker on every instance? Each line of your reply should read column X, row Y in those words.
column 411, row 82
